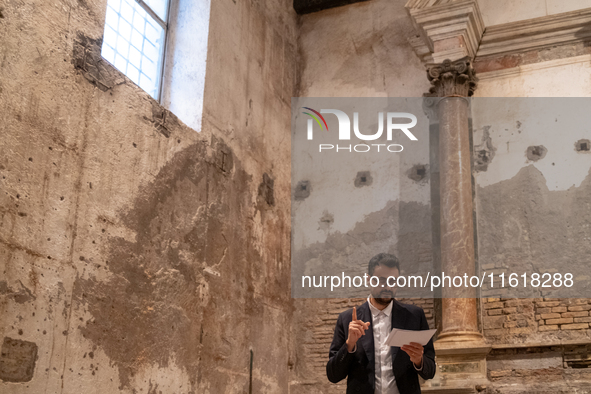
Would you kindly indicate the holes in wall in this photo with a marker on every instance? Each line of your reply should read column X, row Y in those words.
column 302, row 190
column 535, row 153
column 418, row 173
column 363, row 178
column 583, row 145
column 326, row 221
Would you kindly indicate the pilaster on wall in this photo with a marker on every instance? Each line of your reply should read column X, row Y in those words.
column 446, row 29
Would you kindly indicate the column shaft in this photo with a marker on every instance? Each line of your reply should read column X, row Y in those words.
column 457, row 232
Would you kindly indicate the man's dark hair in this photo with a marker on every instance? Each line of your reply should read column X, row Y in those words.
column 387, row 259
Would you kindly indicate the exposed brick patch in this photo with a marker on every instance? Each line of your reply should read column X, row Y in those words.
column 574, row 326
column 566, row 314
column 506, row 317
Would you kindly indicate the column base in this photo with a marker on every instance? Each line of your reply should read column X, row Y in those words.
column 461, row 363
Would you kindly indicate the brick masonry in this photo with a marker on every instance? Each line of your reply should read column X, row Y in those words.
column 504, row 318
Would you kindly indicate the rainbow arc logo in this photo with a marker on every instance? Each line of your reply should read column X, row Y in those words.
column 316, row 118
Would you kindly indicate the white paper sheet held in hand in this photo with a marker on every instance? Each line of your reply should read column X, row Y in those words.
column 400, row 337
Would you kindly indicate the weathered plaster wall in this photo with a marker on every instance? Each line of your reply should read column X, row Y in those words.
column 358, row 50
column 533, row 215
column 137, row 255
column 496, row 12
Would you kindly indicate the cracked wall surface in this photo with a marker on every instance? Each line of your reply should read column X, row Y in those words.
column 136, row 254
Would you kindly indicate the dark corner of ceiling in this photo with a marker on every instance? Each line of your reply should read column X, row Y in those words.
column 309, row 6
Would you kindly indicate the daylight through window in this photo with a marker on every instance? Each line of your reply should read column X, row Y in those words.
column 134, row 40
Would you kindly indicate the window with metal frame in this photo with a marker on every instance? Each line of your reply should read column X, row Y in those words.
column 134, row 40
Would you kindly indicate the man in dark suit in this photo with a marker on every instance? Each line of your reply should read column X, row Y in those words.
column 358, row 350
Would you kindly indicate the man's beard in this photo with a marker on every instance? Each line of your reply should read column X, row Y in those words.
column 385, row 297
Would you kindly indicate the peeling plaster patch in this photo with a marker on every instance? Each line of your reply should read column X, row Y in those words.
column 583, row 146
column 535, row 153
column 419, row 173
column 405, row 232
column 326, row 221
column 484, row 152
column 525, row 227
column 17, row 360
column 302, row 190
column 363, row 178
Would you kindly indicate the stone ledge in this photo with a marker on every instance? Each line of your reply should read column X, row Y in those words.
column 540, row 344
column 537, row 33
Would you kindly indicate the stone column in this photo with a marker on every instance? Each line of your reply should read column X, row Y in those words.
column 448, row 35
column 460, row 346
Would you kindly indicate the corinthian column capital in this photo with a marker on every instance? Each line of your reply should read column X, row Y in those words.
column 451, row 79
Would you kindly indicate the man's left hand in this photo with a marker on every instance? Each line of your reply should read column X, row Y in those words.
column 415, row 351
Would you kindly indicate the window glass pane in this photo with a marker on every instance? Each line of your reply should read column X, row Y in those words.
column 122, row 48
column 133, row 42
column 115, row 4
column 160, row 7
column 135, row 57
column 133, row 74
column 139, row 23
column 137, row 39
column 127, row 11
column 124, row 29
column 152, row 32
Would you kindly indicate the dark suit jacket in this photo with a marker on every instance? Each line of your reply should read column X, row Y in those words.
column 359, row 367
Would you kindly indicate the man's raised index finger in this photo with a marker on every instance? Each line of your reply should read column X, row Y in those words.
column 354, row 314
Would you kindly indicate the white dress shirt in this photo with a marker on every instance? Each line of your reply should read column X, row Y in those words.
column 382, row 325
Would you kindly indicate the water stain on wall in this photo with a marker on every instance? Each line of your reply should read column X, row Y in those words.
column 192, row 229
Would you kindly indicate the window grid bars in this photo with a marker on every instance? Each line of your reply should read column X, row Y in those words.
column 122, row 61
column 149, row 10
